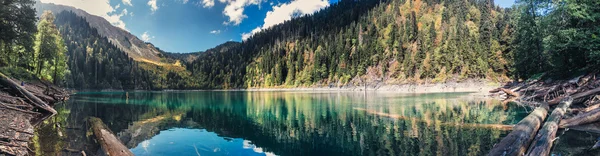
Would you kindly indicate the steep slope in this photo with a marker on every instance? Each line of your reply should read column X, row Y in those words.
column 93, row 62
column 377, row 42
column 133, row 46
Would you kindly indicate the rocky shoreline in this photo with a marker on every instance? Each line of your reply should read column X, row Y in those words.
column 23, row 106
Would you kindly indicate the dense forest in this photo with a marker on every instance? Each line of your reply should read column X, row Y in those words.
column 352, row 42
column 395, row 41
column 413, row 41
column 93, row 61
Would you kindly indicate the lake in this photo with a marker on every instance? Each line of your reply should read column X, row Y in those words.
column 284, row 123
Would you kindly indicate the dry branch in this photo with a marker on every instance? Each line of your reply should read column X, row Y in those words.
column 576, row 96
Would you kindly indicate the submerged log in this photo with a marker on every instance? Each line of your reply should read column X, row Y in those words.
column 543, row 140
column 517, row 142
column 582, row 119
column 108, row 141
column 6, row 81
column 462, row 125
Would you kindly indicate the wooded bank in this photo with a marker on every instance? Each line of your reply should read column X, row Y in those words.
column 22, row 106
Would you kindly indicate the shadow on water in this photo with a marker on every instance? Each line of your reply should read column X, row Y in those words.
column 282, row 123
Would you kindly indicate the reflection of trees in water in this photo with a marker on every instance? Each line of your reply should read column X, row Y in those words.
column 298, row 124
column 304, row 123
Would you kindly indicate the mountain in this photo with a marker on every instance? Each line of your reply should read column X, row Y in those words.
column 354, row 42
column 127, row 42
column 95, row 63
column 191, row 57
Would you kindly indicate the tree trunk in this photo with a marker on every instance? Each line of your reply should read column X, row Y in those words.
column 6, row 81
column 593, row 127
column 543, row 140
column 581, row 119
column 510, row 92
column 55, row 70
column 517, row 142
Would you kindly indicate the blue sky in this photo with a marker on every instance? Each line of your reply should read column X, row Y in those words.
column 197, row 25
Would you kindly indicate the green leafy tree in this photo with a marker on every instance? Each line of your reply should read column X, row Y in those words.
column 50, row 60
column 17, row 26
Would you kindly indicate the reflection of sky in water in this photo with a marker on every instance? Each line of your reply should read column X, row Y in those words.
column 298, row 123
column 183, row 142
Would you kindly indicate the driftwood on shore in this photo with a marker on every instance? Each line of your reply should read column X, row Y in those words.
column 22, row 106
column 543, row 140
column 517, row 142
column 110, row 144
column 581, row 92
column 7, row 82
column 582, row 119
column 593, row 127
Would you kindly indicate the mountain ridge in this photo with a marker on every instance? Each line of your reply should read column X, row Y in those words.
column 136, row 48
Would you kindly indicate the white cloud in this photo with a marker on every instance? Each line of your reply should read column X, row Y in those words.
column 146, row 37
column 208, row 3
column 118, row 6
column 153, row 6
column 235, row 10
column 100, row 8
column 215, row 32
column 285, row 12
column 185, row 1
column 127, row 2
column 248, row 35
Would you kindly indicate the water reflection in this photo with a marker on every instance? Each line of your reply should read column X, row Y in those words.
column 290, row 123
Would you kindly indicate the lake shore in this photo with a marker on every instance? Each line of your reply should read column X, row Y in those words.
column 23, row 106
column 480, row 87
column 477, row 87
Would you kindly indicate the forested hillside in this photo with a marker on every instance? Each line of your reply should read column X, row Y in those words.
column 122, row 39
column 95, row 63
column 394, row 41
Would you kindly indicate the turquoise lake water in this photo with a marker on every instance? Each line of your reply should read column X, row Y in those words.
column 283, row 123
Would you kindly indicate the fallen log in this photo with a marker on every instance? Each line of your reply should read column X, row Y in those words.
column 582, row 119
column 510, row 92
column 575, row 96
column 543, row 140
column 517, row 142
column 586, row 109
column 108, row 141
column 593, row 127
column 6, row 81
